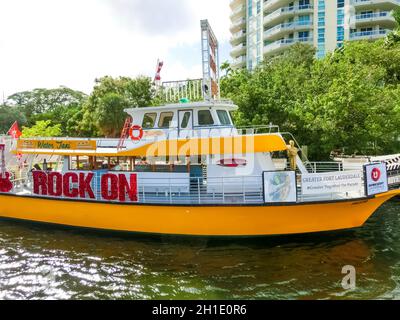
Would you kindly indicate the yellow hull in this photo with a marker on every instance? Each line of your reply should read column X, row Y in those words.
column 195, row 220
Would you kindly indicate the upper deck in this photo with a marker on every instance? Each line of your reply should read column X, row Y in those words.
column 211, row 117
column 200, row 128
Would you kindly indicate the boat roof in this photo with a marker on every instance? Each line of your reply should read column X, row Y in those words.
column 177, row 147
column 226, row 104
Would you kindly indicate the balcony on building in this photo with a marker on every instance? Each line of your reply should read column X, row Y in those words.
column 238, row 37
column 384, row 19
column 278, row 16
column 238, row 25
column 239, row 62
column 238, row 50
column 279, row 46
column 272, row 5
column 369, row 34
column 235, row 3
column 281, row 29
column 238, row 12
column 385, row 5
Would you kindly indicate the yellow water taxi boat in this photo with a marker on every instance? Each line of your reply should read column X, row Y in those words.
column 185, row 169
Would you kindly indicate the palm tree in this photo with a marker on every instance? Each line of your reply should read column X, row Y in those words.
column 226, row 67
column 394, row 37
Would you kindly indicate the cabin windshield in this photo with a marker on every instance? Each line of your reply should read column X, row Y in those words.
column 205, row 118
column 185, row 120
column 224, row 117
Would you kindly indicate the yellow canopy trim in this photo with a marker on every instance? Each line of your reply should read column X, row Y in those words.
column 181, row 147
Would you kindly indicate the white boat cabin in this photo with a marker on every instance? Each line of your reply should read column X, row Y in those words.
column 185, row 119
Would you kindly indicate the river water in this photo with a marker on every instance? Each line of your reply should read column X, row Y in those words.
column 42, row 263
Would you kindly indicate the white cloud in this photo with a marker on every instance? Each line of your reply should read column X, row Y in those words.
column 47, row 43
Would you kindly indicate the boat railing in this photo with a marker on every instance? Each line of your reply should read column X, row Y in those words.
column 215, row 131
column 258, row 129
column 324, row 166
column 187, row 190
column 394, row 179
column 288, row 136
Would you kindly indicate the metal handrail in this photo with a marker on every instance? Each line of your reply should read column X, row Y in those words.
column 297, row 145
column 200, row 190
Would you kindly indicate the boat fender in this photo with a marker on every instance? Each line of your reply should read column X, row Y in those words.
column 134, row 136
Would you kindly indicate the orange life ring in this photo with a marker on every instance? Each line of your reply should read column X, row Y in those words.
column 136, row 137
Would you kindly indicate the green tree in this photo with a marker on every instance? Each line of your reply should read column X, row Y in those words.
column 110, row 114
column 39, row 101
column 131, row 93
column 348, row 100
column 42, row 129
column 8, row 115
column 393, row 37
column 226, row 67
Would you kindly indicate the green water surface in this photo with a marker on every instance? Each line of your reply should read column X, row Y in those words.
column 43, row 263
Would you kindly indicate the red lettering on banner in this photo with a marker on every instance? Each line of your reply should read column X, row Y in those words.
column 55, row 184
column 39, row 183
column 73, row 185
column 68, row 191
column 85, row 185
column 125, row 187
column 109, row 187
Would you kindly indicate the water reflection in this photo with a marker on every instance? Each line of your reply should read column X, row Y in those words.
column 43, row 263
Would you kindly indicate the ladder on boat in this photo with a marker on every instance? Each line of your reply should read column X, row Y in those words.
column 124, row 132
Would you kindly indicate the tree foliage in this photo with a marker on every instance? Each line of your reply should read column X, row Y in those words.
column 393, row 37
column 348, row 100
column 39, row 101
column 8, row 115
column 42, row 129
column 110, row 114
column 109, row 97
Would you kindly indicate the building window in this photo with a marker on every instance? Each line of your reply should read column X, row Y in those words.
column 250, row 9
column 340, row 23
column 340, row 33
column 303, row 3
column 303, row 35
column 321, row 29
column 304, row 20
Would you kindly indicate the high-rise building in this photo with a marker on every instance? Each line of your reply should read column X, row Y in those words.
column 261, row 29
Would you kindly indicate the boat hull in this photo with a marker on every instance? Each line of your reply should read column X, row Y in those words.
column 227, row 220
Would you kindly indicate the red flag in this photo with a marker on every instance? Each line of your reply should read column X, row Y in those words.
column 14, row 131
column 160, row 64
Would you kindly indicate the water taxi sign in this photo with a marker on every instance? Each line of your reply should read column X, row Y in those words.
column 57, row 144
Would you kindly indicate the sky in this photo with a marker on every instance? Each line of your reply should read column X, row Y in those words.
column 52, row 43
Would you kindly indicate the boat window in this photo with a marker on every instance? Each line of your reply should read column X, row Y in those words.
column 165, row 119
column 223, row 117
column 185, row 120
column 149, row 120
column 205, row 118
column 81, row 163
